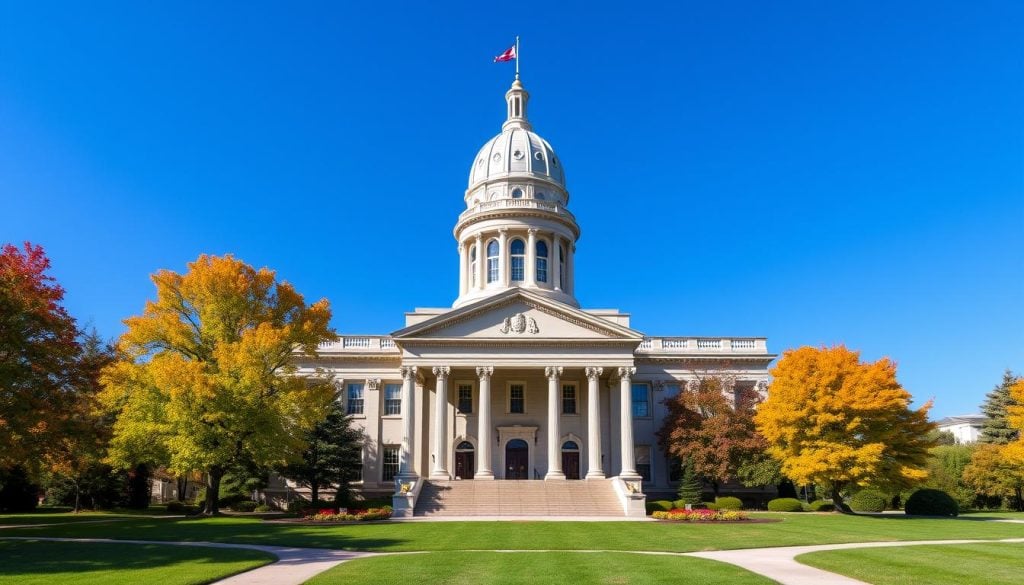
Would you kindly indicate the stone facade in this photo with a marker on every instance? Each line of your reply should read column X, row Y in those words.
column 515, row 381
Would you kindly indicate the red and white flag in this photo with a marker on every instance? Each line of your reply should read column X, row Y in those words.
column 508, row 55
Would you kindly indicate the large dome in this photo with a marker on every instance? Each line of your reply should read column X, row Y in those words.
column 520, row 152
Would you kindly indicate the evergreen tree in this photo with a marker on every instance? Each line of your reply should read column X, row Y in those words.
column 690, row 486
column 997, row 429
column 333, row 456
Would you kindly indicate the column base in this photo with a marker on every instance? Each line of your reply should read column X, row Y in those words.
column 484, row 475
column 440, row 474
column 554, row 475
column 627, row 476
column 595, row 475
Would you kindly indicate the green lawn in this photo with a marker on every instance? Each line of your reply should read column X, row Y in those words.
column 80, row 563
column 952, row 564
column 793, row 529
column 486, row 568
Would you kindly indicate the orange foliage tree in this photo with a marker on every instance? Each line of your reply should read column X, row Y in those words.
column 832, row 419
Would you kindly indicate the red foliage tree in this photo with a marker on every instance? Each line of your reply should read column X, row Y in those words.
column 38, row 357
column 712, row 426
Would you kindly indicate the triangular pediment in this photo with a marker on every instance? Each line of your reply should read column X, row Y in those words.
column 521, row 316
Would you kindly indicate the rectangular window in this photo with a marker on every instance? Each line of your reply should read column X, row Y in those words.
column 492, row 269
column 568, row 399
column 517, row 399
column 466, row 398
column 392, row 399
column 675, row 469
column 642, row 454
column 390, row 462
column 518, row 268
column 542, row 269
column 354, row 404
column 641, row 402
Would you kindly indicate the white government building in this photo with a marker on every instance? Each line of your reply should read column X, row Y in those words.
column 515, row 381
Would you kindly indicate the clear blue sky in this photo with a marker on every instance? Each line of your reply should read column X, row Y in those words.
column 812, row 172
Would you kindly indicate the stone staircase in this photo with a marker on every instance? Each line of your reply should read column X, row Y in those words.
column 518, row 498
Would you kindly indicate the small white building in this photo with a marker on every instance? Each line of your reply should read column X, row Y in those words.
column 966, row 428
column 515, row 381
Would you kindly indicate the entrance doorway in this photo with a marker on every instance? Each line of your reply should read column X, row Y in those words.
column 571, row 460
column 465, row 465
column 517, row 459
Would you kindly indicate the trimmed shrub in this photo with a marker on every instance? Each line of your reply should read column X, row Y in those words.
column 181, row 508
column 263, row 508
column 867, row 501
column 821, row 506
column 729, row 503
column 785, row 505
column 658, row 506
column 244, row 506
column 928, row 502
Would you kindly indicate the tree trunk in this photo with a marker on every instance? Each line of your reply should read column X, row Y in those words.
column 182, row 486
column 314, row 492
column 837, row 501
column 78, row 493
column 213, row 477
column 1020, row 499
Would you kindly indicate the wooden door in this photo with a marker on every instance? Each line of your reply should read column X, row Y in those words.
column 517, row 460
column 571, row 464
column 464, row 464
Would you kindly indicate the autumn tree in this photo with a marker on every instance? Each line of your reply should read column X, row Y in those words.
column 997, row 429
column 994, row 472
column 712, row 427
column 333, row 456
column 207, row 380
column 832, row 419
column 38, row 352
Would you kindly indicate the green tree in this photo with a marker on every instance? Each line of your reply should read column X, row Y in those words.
column 333, row 456
column 207, row 379
column 997, row 430
column 690, row 487
column 946, row 464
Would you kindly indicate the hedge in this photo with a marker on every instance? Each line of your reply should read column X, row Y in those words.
column 928, row 502
column 728, row 503
column 785, row 505
column 868, row 501
column 821, row 506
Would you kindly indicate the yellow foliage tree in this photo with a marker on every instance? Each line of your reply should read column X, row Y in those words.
column 1014, row 452
column 207, row 380
column 831, row 419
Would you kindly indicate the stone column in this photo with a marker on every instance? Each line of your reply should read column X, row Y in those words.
column 463, row 279
column 481, row 263
column 405, row 467
column 483, row 434
column 440, row 470
column 570, row 267
column 594, row 470
column 554, row 375
column 531, row 257
column 626, row 420
column 503, row 260
column 556, row 264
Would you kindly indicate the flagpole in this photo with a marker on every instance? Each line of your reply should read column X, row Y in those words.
column 517, row 56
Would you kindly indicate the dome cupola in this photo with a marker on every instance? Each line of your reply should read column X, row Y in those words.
column 516, row 230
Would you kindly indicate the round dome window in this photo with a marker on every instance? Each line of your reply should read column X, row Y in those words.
column 537, row 155
column 496, row 157
column 517, row 193
column 539, row 196
column 518, row 155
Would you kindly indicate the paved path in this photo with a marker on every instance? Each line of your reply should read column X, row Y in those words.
column 295, row 566
column 779, row 563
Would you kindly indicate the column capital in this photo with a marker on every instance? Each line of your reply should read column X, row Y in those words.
column 503, row 231
column 408, row 372
column 442, row 372
column 553, row 372
column 594, row 373
column 485, row 372
column 761, row 386
column 626, row 372
column 372, row 383
column 532, row 231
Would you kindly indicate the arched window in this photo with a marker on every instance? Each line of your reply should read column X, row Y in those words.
column 570, row 446
column 542, row 261
column 561, row 268
column 464, row 446
column 492, row 261
column 472, row 267
column 539, row 196
column 518, row 249
column 517, row 193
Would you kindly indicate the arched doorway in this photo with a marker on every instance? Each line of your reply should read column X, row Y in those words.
column 517, row 459
column 465, row 465
column 571, row 460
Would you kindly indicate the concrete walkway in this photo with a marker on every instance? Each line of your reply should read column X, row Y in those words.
column 779, row 563
column 293, row 566
column 297, row 565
